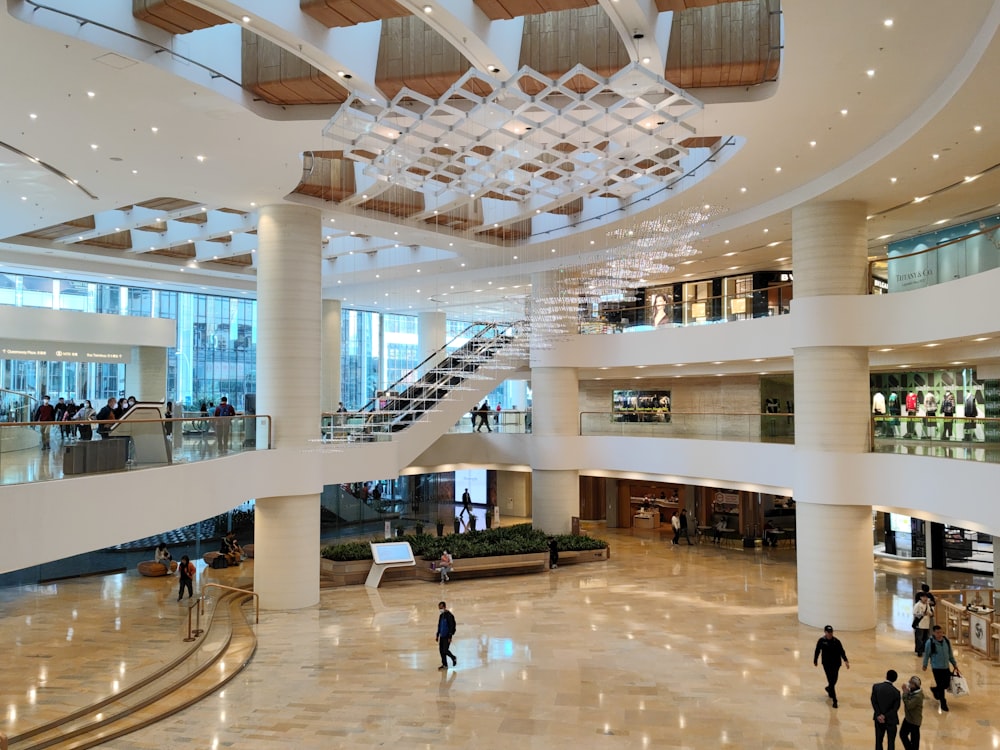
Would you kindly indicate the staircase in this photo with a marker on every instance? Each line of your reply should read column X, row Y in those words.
column 227, row 644
column 489, row 348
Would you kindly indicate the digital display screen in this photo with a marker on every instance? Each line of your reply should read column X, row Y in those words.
column 392, row 552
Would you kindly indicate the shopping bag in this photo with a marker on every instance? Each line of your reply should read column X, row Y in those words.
column 959, row 686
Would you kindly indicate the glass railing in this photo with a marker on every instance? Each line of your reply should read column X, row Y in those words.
column 509, row 421
column 660, row 312
column 964, row 438
column 43, row 451
column 16, row 406
column 749, row 428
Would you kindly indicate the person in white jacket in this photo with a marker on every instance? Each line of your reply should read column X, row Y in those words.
column 923, row 615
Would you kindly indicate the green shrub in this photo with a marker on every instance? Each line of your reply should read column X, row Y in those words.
column 509, row 540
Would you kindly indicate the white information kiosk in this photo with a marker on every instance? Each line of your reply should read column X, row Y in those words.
column 388, row 555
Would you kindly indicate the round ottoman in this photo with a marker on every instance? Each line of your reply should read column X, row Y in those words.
column 155, row 569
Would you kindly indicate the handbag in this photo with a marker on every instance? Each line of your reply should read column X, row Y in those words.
column 958, row 686
column 916, row 621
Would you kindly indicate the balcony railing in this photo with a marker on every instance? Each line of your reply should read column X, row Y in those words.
column 746, row 427
column 964, row 438
column 79, row 447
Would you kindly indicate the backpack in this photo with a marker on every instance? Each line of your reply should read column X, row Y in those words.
column 220, row 562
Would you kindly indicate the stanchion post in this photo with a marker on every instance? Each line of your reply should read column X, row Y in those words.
column 190, row 637
column 197, row 623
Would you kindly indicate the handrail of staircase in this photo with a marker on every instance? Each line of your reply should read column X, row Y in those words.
column 486, row 326
column 254, row 594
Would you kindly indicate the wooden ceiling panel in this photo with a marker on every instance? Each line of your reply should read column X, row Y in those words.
column 113, row 241
column 680, row 5
column 700, row 141
column 244, row 261
column 331, row 179
column 498, row 10
column 336, row 13
column 185, row 251
column 728, row 44
column 552, row 43
column 166, row 204
column 278, row 77
column 58, row 231
column 412, row 54
column 174, row 16
column 396, row 201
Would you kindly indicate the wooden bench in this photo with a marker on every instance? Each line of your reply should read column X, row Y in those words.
column 154, row 569
column 477, row 567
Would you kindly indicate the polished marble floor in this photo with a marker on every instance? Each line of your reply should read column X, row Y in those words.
column 660, row 647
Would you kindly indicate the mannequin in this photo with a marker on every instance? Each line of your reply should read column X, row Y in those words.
column 894, row 411
column 948, row 412
column 911, row 411
column 970, row 412
column 930, row 411
column 878, row 409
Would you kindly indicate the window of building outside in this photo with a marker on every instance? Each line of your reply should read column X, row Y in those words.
column 216, row 341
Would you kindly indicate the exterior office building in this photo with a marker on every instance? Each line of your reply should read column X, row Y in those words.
column 862, row 135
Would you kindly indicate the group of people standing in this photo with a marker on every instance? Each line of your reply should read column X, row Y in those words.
column 74, row 420
column 886, row 699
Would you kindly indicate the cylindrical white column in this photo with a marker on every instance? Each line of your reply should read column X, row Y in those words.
column 834, row 542
column 834, row 553
column 555, row 499
column 518, row 395
column 555, row 495
column 288, row 321
column 289, row 310
column 286, row 551
column 555, row 401
column 432, row 333
column 146, row 376
column 330, row 356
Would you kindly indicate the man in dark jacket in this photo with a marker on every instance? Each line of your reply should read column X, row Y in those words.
column 107, row 412
column 885, row 705
column 445, row 632
column 832, row 652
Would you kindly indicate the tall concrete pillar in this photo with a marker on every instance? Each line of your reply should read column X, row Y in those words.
column 432, row 333
column 289, row 312
column 330, row 355
column 146, row 376
column 834, row 545
column 555, row 494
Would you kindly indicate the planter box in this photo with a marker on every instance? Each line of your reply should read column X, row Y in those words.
column 583, row 556
column 354, row 572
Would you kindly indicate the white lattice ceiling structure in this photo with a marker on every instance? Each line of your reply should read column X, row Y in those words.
column 531, row 136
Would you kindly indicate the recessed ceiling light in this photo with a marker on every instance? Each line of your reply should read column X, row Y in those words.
column 515, row 258
column 812, row 144
column 774, row 244
column 743, row 189
column 956, row 363
column 728, row 255
column 870, row 72
column 758, row 360
column 777, row 169
column 978, row 128
column 940, row 221
column 766, row 230
column 887, row 349
column 843, row 112
column 93, row 146
column 725, row 242
column 920, row 198
column 982, row 338
column 155, row 129
column 33, row 116
column 428, row 9
column 733, row 268
column 893, row 180
column 884, row 236
column 246, row 19
column 779, row 260
column 252, row 204
column 973, row 178
column 887, row 23
column 931, row 346
column 91, row 94
column 200, row 157
column 24, row 197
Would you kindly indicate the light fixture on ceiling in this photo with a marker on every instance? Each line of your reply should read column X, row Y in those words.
column 93, row 146
column 843, row 112
column 893, row 180
column 91, row 94
column 743, row 189
column 33, row 116
column 246, row 19
column 870, row 72
column 200, row 157
column 887, row 23
column 777, row 169
column 812, row 144
column 977, row 128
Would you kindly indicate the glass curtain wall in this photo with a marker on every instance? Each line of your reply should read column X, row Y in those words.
column 216, row 353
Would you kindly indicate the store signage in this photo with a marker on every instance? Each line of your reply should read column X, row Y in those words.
column 66, row 351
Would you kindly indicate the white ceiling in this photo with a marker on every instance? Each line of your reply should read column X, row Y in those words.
column 934, row 80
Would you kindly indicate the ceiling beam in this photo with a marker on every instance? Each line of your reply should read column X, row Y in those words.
column 644, row 30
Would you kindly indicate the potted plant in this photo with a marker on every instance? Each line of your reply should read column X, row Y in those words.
column 458, row 524
column 418, row 527
column 472, row 523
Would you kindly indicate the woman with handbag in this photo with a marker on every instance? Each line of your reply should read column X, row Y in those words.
column 923, row 612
